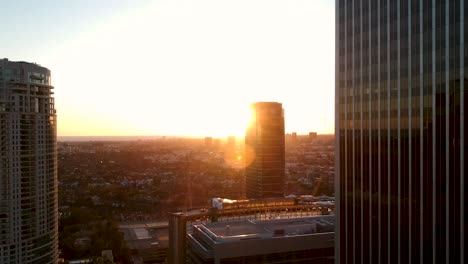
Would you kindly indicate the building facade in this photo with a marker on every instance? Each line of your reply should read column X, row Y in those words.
column 401, row 86
column 293, row 240
column 226, row 210
column 265, row 151
column 28, row 165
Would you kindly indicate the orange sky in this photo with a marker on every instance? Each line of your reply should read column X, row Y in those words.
column 190, row 67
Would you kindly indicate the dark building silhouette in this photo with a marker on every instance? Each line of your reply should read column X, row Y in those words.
column 400, row 131
column 294, row 138
column 264, row 151
column 312, row 135
column 28, row 165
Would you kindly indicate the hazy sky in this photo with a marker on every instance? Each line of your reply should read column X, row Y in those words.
column 149, row 67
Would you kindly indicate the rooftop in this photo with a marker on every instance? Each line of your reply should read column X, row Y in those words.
column 266, row 229
column 146, row 236
column 23, row 63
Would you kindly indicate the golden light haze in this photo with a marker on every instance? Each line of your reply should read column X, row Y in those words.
column 194, row 67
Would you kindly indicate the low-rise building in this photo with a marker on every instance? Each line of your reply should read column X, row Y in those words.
column 296, row 240
column 147, row 242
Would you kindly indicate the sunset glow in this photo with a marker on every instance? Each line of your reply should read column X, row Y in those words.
column 192, row 68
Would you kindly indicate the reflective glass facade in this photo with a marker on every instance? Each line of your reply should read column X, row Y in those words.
column 28, row 165
column 401, row 86
column 264, row 151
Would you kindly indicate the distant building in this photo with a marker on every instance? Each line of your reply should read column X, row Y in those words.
column 208, row 141
column 294, row 138
column 264, row 151
column 312, row 135
column 28, row 165
column 294, row 240
column 148, row 242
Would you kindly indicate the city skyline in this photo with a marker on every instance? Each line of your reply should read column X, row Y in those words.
column 178, row 67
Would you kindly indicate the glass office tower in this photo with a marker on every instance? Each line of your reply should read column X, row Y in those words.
column 401, row 86
column 28, row 165
column 264, row 151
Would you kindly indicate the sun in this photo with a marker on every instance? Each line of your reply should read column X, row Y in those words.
column 231, row 120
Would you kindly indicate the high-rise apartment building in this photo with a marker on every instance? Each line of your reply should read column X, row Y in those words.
column 264, row 151
column 28, row 165
column 401, row 86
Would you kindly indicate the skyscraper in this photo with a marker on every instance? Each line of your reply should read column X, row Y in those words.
column 264, row 151
column 28, row 165
column 400, row 131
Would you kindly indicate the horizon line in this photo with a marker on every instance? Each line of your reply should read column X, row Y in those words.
column 170, row 136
